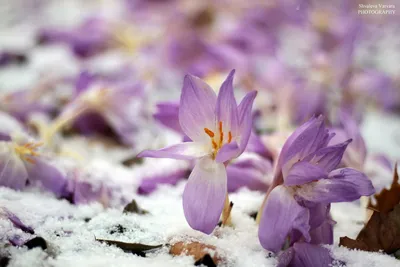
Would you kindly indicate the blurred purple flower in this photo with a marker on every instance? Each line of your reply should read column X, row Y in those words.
column 92, row 37
column 9, row 126
column 21, row 162
column 305, row 182
column 105, row 106
column 220, row 130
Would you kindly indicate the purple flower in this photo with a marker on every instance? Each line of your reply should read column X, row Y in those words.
column 21, row 161
column 306, row 181
column 305, row 255
column 101, row 106
column 91, row 37
column 219, row 130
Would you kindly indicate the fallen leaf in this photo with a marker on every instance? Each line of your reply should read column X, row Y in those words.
column 196, row 249
column 133, row 207
column 135, row 248
column 382, row 232
column 388, row 198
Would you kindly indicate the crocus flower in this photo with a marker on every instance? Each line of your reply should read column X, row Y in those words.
column 306, row 181
column 102, row 105
column 219, row 130
column 21, row 161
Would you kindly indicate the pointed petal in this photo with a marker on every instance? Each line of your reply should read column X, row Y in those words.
column 204, row 195
column 226, row 108
column 197, row 108
column 13, row 173
column 307, row 255
column 304, row 172
column 342, row 185
column 245, row 119
column 227, row 152
column 185, row 151
column 330, row 157
column 280, row 216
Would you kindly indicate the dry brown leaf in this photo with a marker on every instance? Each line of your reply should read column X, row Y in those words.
column 382, row 232
column 387, row 199
column 196, row 249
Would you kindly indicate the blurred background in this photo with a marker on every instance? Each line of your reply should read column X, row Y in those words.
column 304, row 57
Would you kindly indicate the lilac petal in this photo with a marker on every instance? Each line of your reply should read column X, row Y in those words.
column 168, row 115
column 285, row 257
column 245, row 119
column 47, row 175
column 323, row 234
column 204, row 195
column 227, row 152
column 318, row 213
column 185, row 151
column 330, row 157
column 197, row 108
column 307, row 255
column 251, row 173
column 149, row 184
column 280, row 216
column 342, row 185
column 13, row 173
column 226, row 108
column 353, row 132
column 308, row 138
column 17, row 222
column 9, row 125
column 255, row 145
column 304, row 172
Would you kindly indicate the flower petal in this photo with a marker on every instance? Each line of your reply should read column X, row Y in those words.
column 168, row 115
column 185, row 151
column 280, row 216
column 204, row 195
column 245, row 119
column 250, row 173
column 324, row 233
column 226, row 108
column 304, row 172
column 342, row 185
column 227, row 152
column 13, row 173
column 197, row 108
column 330, row 157
column 307, row 255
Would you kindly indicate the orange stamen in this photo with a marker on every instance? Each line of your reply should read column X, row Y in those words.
column 29, row 160
column 229, row 137
column 215, row 146
column 221, row 136
column 209, row 132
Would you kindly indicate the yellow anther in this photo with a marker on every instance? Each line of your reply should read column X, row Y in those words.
column 229, row 137
column 27, row 150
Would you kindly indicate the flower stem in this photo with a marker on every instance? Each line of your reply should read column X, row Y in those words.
column 226, row 212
